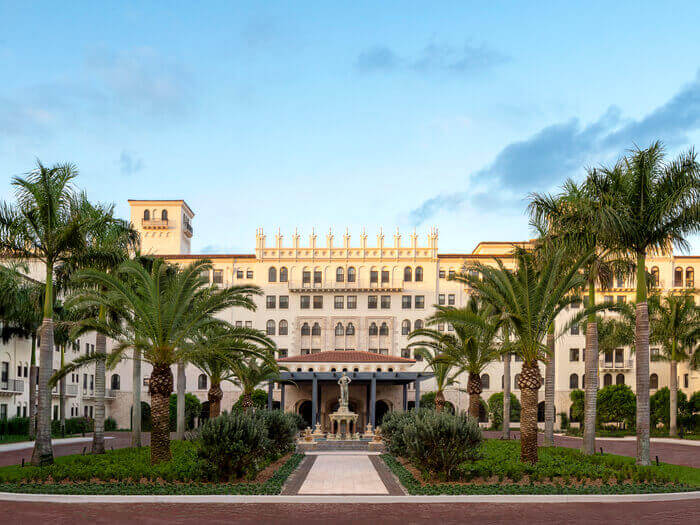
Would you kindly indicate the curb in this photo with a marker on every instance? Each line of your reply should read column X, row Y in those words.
column 533, row 498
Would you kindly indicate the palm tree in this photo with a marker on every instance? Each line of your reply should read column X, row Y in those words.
column 249, row 372
column 216, row 351
column 576, row 219
column 506, row 383
column 159, row 312
column 434, row 351
column 474, row 345
column 527, row 300
column 654, row 205
column 676, row 326
column 43, row 226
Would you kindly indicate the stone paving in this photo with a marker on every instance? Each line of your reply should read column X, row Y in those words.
column 343, row 473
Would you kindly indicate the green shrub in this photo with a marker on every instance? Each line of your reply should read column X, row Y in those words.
column 232, row 445
column 564, row 420
column 617, row 404
column 192, row 410
column 16, row 426
column 298, row 420
column 74, row 425
column 281, row 429
column 439, row 442
column 110, row 424
column 578, row 399
column 496, row 409
column 392, row 431
column 259, row 400
column 660, row 409
column 427, row 400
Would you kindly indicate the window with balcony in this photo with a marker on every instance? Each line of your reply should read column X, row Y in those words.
column 350, row 329
column 338, row 302
column 419, row 273
column 284, row 275
column 619, row 356
column 283, row 327
column 339, row 330
column 405, row 327
column 284, row 302
column 451, row 299
column 271, row 301
column 351, row 302
column 441, row 299
column 339, row 275
column 373, row 276
column 372, row 302
column 407, row 274
column 385, row 276
column 318, row 276
column 386, row 301
column 352, row 275
column 420, row 301
column 318, row 302
column 146, row 215
column 406, row 302
column 373, row 329
column 316, row 329
column 272, row 274
column 270, row 327
column 305, row 302
column 306, row 277
column 678, row 277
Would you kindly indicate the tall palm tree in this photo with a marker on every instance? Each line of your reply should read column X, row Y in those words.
column 216, row 351
column 43, row 226
column 527, row 300
column 474, row 345
column 576, row 219
column 506, row 383
column 250, row 372
column 654, row 205
column 676, row 326
column 159, row 312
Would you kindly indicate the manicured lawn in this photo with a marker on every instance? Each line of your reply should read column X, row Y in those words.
column 498, row 470
column 128, row 471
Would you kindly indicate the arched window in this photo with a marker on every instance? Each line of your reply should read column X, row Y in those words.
column 339, row 275
column 620, row 379
column 164, row 215
column 305, row 329
column 573, row 381
column 384, row 329
column 373, row 330
column 351, row 275
column 339, row 329
column 607, row 380
column 270, row 327
column 316, row 329
column 653, row 381
column 405, row 327
column 516, row 381
column 272, row 275
column 418, row 324
column 146, row 215
column 485, row 381
column 283, row 328
column 689, row 278
column 419, row 273
column 202, row 382
column 116, row 382
column 350, row 329
column 655, row 276
column 284, row 274
column 678, row 277
column 407, row 274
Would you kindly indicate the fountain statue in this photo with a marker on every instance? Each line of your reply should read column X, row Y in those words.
column 345, row 420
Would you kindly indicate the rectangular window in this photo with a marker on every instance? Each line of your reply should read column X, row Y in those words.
column 305, row 302
column 373, row 276
column 84, row 381
column 655, row 355
column 619, row 356
column 55, row 412
column 621, row 299
column 386, row 301
column 305, row 351
column 315, row 350
column 441, row 299
column 318, row 276
column 284, row 302
column 5, row 372
column 441, row 327
column 282, row 352
column 573, row 354
column 406, row 302
column 685, row 380
column 372, row 302
column 318, row 302
column 608, row 299
column 574, row 329
column 338, row 302
column 441, row 274
column 451, row 274
column 384, row 351
column 92, row 382
column 373, row 350
column 451, row 299
column 218, row 276
column 85, row 411
column 420, row 301
column 405, row 353
column 239, row 274
column 385, row 276
column 249, row 324
column 271, row 301
column 249, row 274
column 239, row 323
column 91, row 413
column 306, row 277
column 352, row 302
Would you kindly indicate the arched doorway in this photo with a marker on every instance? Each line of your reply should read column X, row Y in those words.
column 381, row 408
column 483, row 414
column 304, row 411
column 540, row 412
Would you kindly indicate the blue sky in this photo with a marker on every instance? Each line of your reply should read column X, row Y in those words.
column 352, row 114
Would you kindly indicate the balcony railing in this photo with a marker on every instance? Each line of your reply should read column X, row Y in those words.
column 154, row 223
column 188, row 229
column 334, row 286
column 616, row 365
column 12, row 386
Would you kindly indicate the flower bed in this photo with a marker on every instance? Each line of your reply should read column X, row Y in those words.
column 498, row 470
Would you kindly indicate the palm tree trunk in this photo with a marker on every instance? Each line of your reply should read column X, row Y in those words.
column 32, row 391
column 530, row 381
column 506, row 396
column 246, row 401
column 43, row 451
column 98, row 435
column 642, row 364
column 214, row 396
column 474, row 390
column 591, row 378
column 181, row 384
column 160, row 387
column 62, row 394
column 673, row 415
column 439, row 401
column 549, row 376
column 136, row 410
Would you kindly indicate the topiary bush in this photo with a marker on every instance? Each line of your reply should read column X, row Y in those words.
column 440, row 442
column 233, row 444
column 281, row 429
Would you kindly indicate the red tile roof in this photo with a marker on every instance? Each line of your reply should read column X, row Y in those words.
column 345, row 356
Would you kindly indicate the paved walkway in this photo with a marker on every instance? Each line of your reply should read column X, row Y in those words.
column 343, row 474
column 22, row 445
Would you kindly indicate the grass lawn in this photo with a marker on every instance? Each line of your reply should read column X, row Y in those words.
column 128, row 471
column 498, row 470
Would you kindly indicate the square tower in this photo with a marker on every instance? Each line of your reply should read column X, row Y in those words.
column 165, row 226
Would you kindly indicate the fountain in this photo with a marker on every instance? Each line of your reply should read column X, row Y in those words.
column 345, row 420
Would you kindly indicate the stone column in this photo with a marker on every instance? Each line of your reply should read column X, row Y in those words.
column 314, row 401
column 417, row 383
column 282, row 397
column 373, row 400
column 405, row 397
